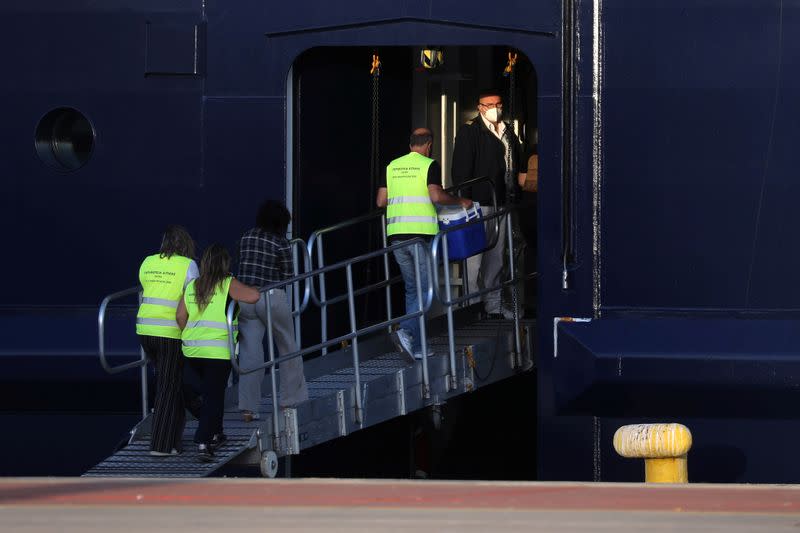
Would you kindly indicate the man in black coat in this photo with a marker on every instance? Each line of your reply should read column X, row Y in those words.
column 487, row 146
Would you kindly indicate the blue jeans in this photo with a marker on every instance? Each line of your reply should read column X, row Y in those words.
column 405, row 260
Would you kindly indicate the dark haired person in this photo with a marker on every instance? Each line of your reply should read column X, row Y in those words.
column 413, row 183
column 163, row 277
column 201, row 315
column 265, row 257
column 487, row 146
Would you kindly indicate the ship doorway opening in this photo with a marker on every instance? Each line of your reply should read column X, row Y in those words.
column 333, row 125
column 330, row 114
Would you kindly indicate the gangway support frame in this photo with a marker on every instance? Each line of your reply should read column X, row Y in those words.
column 392, row 387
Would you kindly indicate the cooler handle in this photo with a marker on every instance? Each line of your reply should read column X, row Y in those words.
column 474, row 210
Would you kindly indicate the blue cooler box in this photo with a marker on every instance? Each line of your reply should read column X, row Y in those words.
column 465, row 242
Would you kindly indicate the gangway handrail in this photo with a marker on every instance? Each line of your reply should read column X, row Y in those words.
column 299, row 305
column 448, row 302
column 419, row 246
column 457, row 189
column 101, row 333
column 472, row 182
column 316, row 241
column 295, row 244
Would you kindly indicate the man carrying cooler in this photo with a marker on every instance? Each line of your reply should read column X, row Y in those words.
column 412, row 185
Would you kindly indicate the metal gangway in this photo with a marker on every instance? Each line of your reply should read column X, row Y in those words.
column 358, row 379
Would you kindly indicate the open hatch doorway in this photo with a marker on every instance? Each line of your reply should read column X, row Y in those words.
column 346, row 126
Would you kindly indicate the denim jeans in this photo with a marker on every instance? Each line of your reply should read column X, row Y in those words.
column 405, row 260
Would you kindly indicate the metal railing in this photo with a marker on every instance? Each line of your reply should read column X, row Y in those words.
column 298, row 306
column 315, row 242
column 299, row 303
column 449, row 302
column 419, row 247
column 101, row 333
column 457, row 190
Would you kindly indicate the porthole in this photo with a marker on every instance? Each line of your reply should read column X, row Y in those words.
column 64, row 139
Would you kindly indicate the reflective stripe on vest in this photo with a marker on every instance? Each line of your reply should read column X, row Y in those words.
column 162, row 280
column 218, row 344
column 161, row 301
column 157, row 322
column 210, row 324
column 400, row 220
column 409, row 210
column 206, row 332
column 409, row 199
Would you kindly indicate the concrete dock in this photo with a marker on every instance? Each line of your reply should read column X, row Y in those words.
column 72, row 505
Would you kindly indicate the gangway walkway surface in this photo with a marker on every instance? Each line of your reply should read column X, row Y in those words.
column 391, row 387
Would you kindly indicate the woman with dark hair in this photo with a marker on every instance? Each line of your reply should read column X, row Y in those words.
column 163, row 277
column 201, row 316
column 265, row 258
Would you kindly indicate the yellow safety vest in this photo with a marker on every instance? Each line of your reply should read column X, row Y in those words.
column 410, row 210
column 162, row 280
column 206, row 332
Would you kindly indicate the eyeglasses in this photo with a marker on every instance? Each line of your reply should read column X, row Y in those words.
column 492, row 105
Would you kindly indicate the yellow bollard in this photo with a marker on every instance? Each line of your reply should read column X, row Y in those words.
column 662, row 446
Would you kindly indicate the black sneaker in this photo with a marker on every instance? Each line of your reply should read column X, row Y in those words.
column 204, row 453
column 218, row 440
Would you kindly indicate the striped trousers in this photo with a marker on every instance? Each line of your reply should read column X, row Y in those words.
column 169, row 416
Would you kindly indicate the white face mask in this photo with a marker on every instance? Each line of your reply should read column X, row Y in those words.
column 493, row 115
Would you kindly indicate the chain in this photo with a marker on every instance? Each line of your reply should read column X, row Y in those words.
column 510, row 72
column 511, row 84
column 375, row 130
column 375, row 72
column 516, row 234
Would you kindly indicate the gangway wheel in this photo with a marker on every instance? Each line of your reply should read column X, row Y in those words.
column 269, row 464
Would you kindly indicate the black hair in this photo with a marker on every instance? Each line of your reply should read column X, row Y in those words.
column 273, row 217
column 488, row 92
column 420, row 139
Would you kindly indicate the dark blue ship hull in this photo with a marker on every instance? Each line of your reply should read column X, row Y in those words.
column 665, row 213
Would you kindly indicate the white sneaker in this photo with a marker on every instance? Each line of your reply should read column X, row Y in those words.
column 402, row 341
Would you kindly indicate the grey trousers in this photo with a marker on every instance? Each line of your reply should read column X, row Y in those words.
column 252, row 327
column 484, row 269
